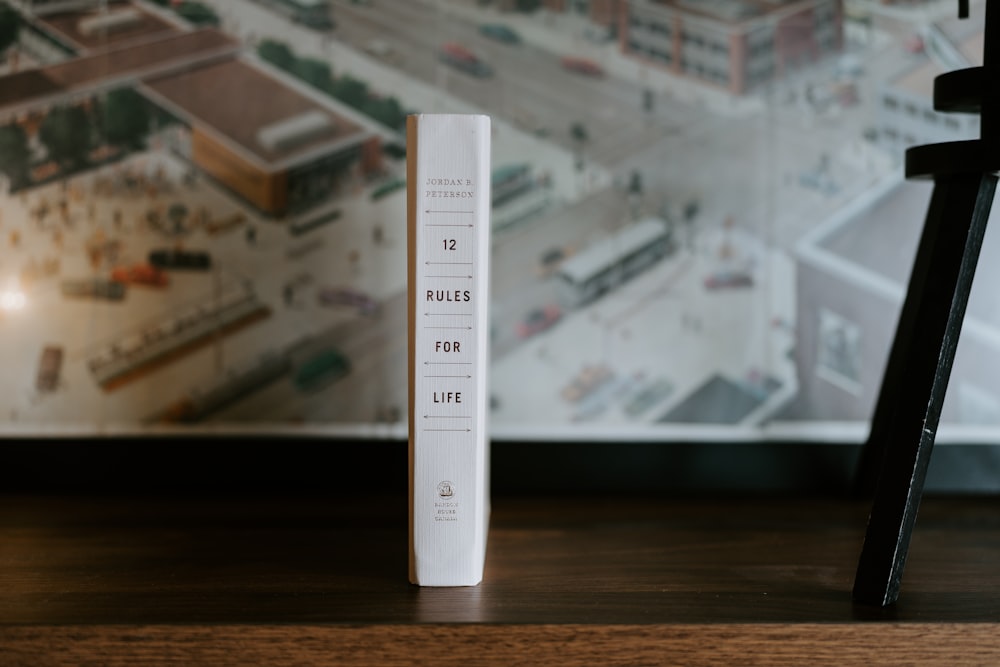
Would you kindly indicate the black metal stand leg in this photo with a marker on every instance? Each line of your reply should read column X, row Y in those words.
column 910, row 332
column 909, row 406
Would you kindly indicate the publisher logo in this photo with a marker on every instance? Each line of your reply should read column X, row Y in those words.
column 446, row 489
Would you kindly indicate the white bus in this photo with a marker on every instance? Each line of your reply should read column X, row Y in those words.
column 605, row 265
column 529, row 202
column 516, row 194
column 510, row 180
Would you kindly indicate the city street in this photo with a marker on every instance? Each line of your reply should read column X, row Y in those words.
column 738, row 181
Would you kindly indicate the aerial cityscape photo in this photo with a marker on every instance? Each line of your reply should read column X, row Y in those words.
column 700, row 225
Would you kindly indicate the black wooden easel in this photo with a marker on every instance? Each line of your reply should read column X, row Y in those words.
column 895, row 458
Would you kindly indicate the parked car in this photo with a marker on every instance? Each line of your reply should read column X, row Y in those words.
column 538, row 320
column 653, row 393
column 140, row 274
column 347, row 296
column 587, row 381
column 49, row 368
column 98, row 288
column 180, row 259
column 582, row 66
column 500, row 32
column 550, row 260
column 387, row 188
column 818, row 179
column 914, row 44
column 729, row 278
column 381, row 49
column 849, row 65
column 598, row 34
column 552, row 256
column 321, row 369
column 303, row 226
column 463, row 59
column 225, row 223
column 846, row 93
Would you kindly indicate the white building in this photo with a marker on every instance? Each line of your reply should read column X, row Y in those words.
column 905, row 114
column 734, row 44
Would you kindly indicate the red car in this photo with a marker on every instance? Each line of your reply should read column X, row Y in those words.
column 140, row 274
column 538, row 320
column 729, row 278
column 914, row 44
column 582, row 66
column 462, row 58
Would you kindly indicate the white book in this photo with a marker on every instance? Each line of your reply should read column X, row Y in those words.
column 448, row 243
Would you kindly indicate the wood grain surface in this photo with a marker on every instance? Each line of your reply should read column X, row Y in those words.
column 716, row 645
column 169, row 580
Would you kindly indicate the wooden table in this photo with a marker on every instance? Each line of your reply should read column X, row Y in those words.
column 569, row 581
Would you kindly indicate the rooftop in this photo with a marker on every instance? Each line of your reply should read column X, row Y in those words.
column 883, row 240
column 735, row 11
column 119, row 23
column 964, row 38
column 113, row 68
column 29, row 84
column 247, row 106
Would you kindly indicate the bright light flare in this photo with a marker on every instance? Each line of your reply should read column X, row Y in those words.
column 12, row 299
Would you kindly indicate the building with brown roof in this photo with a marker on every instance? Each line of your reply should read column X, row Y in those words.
column 57, row 30
column 42, row 7
column 274, row 141
column 112, row 68
column 89, row 28
column 277, row 143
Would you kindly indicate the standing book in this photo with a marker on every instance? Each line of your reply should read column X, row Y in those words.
column 448, row 252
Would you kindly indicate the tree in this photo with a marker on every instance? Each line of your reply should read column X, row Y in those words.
column 124, row 118
column 15, row 155
column 635, row 192
column 350, row 91
column 66, row 135
column 10, row 24
column 635, row 183
column 197, row 13
column 277, row 53
column 386, row 110
column 314, row 72
column 177, row 213
column 578, row 132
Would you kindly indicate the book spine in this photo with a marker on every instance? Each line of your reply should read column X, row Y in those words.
column 448, row 243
